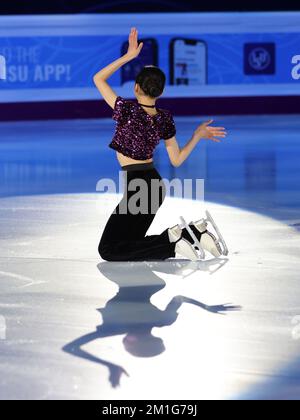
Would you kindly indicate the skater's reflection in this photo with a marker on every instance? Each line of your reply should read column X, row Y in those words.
column 131, row 313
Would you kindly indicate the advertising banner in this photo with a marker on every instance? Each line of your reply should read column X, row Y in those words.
column 216, row 54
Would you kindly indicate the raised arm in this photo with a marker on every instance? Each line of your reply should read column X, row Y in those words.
column 100, row 78
column 204, row 131
column 75, row 348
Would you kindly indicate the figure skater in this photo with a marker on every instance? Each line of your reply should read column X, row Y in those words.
column 140, row 127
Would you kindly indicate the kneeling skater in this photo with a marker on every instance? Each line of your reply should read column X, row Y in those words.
column 140, row 127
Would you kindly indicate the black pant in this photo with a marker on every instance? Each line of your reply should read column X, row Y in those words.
column 124, row 237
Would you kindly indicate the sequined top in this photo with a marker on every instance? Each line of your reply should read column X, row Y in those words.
column 138, row 133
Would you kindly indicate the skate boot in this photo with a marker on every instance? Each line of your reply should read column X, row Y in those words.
column 183, row 247
column 208, row 241
column 215, row 245
column 199, row 238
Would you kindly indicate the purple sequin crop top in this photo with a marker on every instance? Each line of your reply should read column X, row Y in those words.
column 138, row 133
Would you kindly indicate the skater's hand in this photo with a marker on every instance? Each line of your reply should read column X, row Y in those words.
column 134, row 48
column 115, row 375
column 204, row 131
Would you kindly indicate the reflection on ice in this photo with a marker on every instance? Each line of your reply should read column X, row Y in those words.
column 131, row 313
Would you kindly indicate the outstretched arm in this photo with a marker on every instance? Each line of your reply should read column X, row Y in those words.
column 204, row 131
column 177, row 302
column 100, row 78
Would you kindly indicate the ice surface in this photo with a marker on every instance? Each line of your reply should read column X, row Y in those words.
column 52, row 285
column 56, row 294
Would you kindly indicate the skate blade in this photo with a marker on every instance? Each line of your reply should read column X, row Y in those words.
column 220, row 240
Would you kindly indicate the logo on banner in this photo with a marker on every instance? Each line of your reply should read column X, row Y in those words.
column 259, row 58
column 296, row 68
column 2, row 68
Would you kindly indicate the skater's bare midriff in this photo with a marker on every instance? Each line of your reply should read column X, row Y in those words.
column 124, row 160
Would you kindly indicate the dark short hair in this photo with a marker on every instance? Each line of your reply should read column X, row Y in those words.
column 152, row 81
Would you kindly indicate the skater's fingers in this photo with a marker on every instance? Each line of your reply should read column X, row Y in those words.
column 219, row 135
column 220, row 132
column 133, row 34
column 215, row 140
column 213, row 131
column 217, row 130
column 208, row 122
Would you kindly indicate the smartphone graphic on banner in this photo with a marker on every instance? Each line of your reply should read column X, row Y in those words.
column 188, row 62
column 148, row 55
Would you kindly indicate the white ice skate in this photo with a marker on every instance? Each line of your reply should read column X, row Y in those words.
column 208, row 242
column 183, row 247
